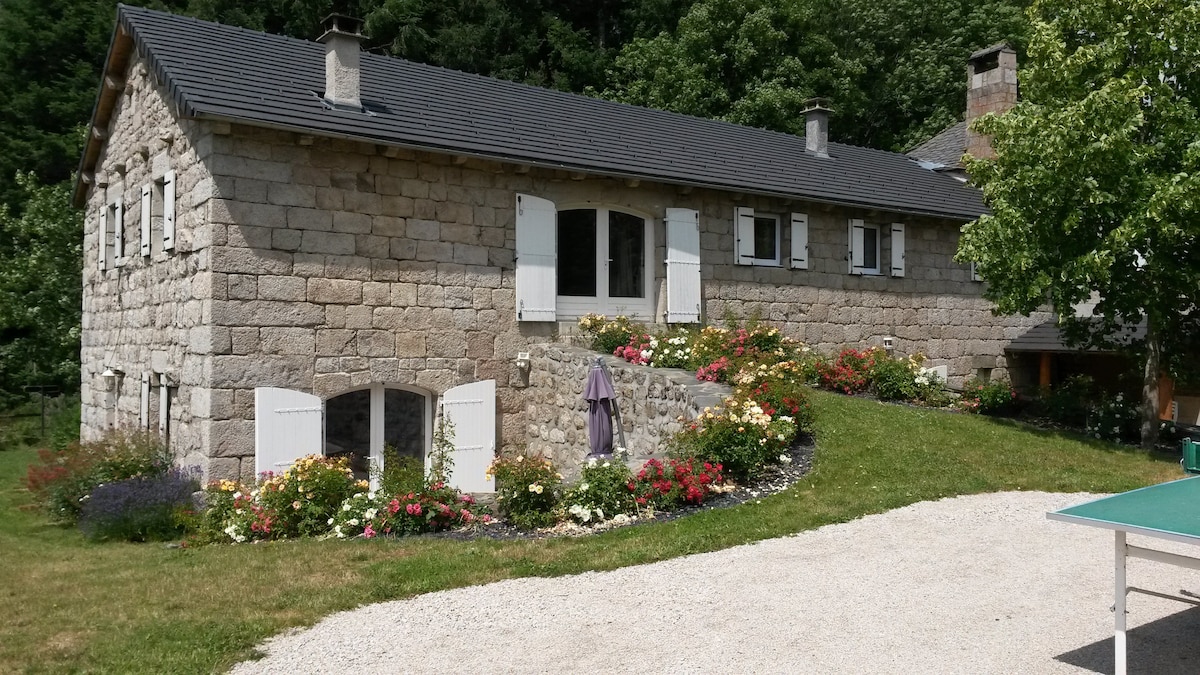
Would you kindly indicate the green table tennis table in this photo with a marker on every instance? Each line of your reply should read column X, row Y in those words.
column 1166, row 511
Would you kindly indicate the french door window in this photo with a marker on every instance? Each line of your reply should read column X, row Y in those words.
column 603, row 263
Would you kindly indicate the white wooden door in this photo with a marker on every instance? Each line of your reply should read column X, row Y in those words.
column 287, row 426
column 471, row 408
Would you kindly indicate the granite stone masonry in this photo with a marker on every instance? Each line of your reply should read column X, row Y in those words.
column 651, row 401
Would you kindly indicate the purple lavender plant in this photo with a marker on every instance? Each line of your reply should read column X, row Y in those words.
column 144, row 508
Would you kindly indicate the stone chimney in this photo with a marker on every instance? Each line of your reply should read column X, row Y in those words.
column 991, row 87
column 816, row 126
column 342, row 39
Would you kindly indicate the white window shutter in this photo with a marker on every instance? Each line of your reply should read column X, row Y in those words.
column 102, row 254
column 164, row 405
column 743, row 236
column 855, row 254
column 683, row 266
column 471, row 408
column 287, row 426
column 897, row 243
column 537, row 259
column 169, row 210
column 144, row 414
column 799, row 241
column 118, row 233
column 147, row 203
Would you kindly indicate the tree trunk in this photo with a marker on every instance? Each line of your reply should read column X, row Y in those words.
column 1150, row 378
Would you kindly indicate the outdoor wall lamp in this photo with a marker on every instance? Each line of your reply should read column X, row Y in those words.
column 111, row 377
column 889, row 344
column 522, row 360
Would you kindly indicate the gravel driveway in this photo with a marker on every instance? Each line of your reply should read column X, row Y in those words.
column 978, row 584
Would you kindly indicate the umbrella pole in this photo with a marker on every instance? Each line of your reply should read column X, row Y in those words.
column 616, row 408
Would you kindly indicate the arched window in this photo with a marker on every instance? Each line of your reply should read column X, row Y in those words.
column 360, row 423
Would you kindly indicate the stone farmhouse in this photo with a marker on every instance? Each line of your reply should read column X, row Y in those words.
column 298, row 247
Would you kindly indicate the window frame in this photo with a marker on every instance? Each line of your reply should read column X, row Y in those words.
column 775, row 219
column 857, row 243
column 575, row 306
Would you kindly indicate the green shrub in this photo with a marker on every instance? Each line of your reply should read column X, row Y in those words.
column 434, row 508
column 1115, row 418
column 607, row 335
column 527, row 490
column 996, row 397
column 850, row 372
column 61, row 480
column 601, row 493
column 740, row 436
column 778, row 389
column 400, row 474
column 302, row 499
column 1068, row 403
column 682, row 480
column 894, row 379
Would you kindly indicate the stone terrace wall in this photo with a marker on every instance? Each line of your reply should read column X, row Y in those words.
column 651, row 401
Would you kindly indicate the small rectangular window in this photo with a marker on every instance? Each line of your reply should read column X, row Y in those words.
column 766, row 238
column 864, row 248
column 756, row 238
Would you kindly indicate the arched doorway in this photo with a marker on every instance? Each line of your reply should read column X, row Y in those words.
column 361, row 422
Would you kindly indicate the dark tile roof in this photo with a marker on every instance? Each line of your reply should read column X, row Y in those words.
column 1046, row 337
column 217, row 71
column 945, row 149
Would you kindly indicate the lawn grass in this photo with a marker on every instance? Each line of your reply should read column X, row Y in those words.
column 69, row 605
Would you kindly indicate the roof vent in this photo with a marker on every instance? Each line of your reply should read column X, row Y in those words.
column 342, row 39
column 816, row 126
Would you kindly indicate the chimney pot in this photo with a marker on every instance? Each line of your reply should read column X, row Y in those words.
column 816, row 126
column 343, row 40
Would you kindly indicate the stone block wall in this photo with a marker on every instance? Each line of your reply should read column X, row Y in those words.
column 149, row 315
column 651, row 401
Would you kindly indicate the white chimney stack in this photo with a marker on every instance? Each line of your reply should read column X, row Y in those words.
column 816, row 126
column 342, row 39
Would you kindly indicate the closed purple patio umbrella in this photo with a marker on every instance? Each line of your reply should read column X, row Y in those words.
column 599, row 394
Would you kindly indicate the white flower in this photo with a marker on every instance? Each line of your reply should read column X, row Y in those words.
column 330, row 522
column 583, row 486
column 606, row 464
column 353, row 522
column 599, row 514
column 592, row 461
column 621, row 452
column 338, row 531
column 371, row 495
column 370, row 514
column 784, row 459
column 346, row 507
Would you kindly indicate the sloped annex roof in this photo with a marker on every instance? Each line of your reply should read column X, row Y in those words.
column 225, row 73
column 945, row 149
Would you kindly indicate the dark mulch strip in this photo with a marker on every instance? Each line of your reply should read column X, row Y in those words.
column 775, row 478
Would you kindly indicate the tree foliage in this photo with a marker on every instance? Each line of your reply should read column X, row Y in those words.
column 1095, row 187
column 895, row 71
column 40, row 290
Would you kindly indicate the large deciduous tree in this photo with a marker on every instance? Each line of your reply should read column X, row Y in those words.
column 1095, row 187
column 40, row 290
column 894, row 70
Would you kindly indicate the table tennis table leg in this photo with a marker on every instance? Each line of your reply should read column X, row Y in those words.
column 1119, row 591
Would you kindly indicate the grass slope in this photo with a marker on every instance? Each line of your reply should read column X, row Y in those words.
column 69, row 605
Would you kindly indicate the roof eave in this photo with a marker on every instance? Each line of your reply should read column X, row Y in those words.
column 115, row 62
column 200, row 113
